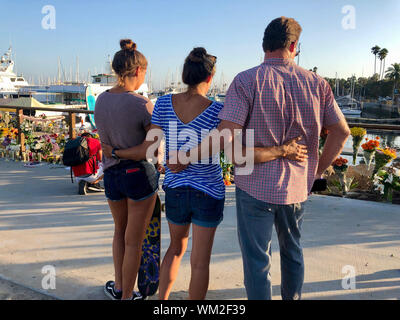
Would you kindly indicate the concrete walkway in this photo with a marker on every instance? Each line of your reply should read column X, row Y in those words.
column 43, row 221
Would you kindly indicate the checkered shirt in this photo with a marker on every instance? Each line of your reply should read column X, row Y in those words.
column 280, row 101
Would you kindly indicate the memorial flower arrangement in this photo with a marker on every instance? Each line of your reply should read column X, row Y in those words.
column 383, row 157
column 358, row 135
column 369, row 150
column 6, row 141
column 340, row 167
column 3, row 132
column 386, row 180
column 322, row 140
column 45, row 138
column 226, row 169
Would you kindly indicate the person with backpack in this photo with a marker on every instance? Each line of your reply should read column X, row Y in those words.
column 84, row 155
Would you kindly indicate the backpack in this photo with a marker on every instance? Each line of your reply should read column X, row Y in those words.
column 76, row 152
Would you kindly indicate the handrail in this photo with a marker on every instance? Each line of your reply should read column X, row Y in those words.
column 390, row 127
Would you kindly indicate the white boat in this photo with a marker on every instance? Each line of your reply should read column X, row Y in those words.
column 349, row 106
column 10, row 83
column 219, row 97
column 351, row 112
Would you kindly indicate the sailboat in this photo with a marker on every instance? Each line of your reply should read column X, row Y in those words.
column 350, row 107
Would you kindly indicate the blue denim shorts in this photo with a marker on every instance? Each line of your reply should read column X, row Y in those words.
column 185, row 205
column 136, row 180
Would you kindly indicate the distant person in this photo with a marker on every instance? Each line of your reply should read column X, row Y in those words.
column 196, row 194
column 122, row 118
column 279, row 101
column 90, row 173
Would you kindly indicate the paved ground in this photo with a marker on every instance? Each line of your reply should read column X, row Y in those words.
column 12, row 291
column 43, row 221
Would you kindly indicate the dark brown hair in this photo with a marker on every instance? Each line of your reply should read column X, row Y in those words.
column 127, row 60
column 199, row 65
column 281, row 33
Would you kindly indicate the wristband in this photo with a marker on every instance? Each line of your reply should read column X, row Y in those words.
column 113, row 154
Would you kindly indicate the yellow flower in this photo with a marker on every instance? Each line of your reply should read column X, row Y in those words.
column 389, row 152
column 358, row 132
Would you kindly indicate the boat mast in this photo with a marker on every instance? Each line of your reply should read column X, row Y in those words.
column 77, row 69
column 59, row 71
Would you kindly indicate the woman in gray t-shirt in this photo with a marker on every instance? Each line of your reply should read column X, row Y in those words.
column 122, row 119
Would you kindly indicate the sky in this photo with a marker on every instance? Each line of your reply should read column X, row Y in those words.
column 166, row 31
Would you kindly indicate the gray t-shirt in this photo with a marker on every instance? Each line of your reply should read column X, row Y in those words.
column 121, row 119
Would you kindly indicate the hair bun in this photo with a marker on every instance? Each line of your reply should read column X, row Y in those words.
column 127, row 44
column 197, row 55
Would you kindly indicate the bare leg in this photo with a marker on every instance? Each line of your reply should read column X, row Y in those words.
column 203, row 239
column 170, row 265
column 139, row 216
column 119, row 210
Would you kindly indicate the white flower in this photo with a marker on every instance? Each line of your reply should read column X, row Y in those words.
column 380, row 188
column 389, row 179
column 377, row 180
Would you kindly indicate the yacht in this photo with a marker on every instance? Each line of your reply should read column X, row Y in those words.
column 10, row 83
column 349, row 106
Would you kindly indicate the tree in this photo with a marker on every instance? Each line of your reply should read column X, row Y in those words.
column 315, row 69
column 393, row 73
column 382, row 56
column 375, row 50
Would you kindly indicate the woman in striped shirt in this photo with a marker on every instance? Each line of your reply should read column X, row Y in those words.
column 196, row 194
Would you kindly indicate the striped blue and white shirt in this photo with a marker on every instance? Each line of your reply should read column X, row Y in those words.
column 206, row 177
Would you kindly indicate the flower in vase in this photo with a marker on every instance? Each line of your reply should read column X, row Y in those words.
column 383, row 157
column 386, row 180
column 358, row 134
column 340, row 164
column 322, row 139
column 340, row 167
column 369, row 149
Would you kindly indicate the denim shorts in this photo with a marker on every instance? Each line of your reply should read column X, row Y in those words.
column 136, row 180
column 185, row 205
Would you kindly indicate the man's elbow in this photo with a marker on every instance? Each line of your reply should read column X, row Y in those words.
column 340, row 130
column 346, row 132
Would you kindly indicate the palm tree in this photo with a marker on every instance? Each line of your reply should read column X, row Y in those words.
column 393, row 73
column 375, row 50
column 382, row 56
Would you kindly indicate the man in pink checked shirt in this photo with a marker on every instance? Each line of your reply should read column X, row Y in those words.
column 280, row 101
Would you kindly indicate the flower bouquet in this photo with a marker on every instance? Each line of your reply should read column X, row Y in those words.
column 226, row 167
column 322, row 140
column 358, row 135
column 340, row 167
column 383, row 157
column 369, row 150
column 3, row 132
column 386, row 180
